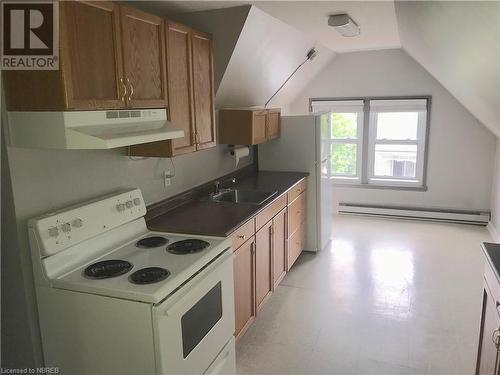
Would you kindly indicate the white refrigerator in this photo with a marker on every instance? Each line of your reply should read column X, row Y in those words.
column 304, row 147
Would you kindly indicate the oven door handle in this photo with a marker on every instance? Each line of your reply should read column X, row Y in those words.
column 172, row 305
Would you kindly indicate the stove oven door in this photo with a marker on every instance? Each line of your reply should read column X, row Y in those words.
column 196, row 323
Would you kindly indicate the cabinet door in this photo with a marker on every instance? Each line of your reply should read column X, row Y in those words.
column 244, row 287
column 91, row 55
column 203, row 90
column 259, row 127
column 180, row 86
column 487, row 360
column 273, row 124
column 263, row 264
column 144, row 58
column 279, row 247
column 295, row 246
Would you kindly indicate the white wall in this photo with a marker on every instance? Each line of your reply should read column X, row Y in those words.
column 494, row 226
column 461, row 149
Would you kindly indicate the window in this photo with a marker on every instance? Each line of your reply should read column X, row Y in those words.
column 393, row 139
column 343, row 137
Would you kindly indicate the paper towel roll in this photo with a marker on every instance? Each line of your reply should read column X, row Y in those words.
column 239, row 152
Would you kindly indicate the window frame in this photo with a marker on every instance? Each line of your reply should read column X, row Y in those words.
column 366, row 146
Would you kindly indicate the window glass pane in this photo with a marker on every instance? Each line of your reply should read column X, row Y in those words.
column 395, row 161
column 397, row 125
column 344, row 125
column 344, row 159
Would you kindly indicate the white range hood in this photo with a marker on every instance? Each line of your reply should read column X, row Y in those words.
column 89, row 129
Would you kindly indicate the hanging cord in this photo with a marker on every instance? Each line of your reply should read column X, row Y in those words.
column 311, row 54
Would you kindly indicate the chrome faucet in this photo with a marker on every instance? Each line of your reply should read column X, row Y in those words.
column 218, row 185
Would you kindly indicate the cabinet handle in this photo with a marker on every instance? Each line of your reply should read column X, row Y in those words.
column 298, row 212
column 241, row 236
column 252, row 248
column 124, row 87
column 495, row 337
column 131, row 89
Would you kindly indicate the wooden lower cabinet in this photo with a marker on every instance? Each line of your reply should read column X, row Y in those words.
column 263, row 264
column 264, row 254
column 295, row 246
column 296, row 228
column 279, row 247
column 244, row 286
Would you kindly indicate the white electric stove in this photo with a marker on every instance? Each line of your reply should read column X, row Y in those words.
column 114, row 297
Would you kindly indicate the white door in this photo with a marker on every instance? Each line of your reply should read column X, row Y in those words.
column 325, row 203
column 193, row 326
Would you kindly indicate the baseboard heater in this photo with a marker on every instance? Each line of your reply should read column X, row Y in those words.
column 475, row 217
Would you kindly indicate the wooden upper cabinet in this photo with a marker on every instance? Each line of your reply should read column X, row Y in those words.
column 144, row 63
column 191, row 98
column 249, row 126
column 273, row 124
column 180, row 87
column 203, row 90
column 91, row 55
column 259, row 127
column 90, row 69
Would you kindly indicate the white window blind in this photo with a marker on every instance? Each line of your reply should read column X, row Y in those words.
column 402, row 105
column 340, row 106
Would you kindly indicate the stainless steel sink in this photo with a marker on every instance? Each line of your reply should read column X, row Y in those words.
column 243, row 196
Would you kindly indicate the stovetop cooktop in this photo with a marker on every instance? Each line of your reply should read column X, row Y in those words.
column 143, row 269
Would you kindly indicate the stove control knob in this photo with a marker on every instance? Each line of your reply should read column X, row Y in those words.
column 129, row 204
column 137, row 201
column 53, row 232
column 120, row 207
column 66, row 227
column 77, row 223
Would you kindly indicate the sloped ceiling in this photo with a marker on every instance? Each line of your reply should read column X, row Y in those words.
column 459, row 44
column 267, row 51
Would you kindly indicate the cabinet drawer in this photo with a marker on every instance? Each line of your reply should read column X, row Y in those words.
column 242, row 234
column 295, row 246
column 296, row 213
column 296, row 190
column 270, row 212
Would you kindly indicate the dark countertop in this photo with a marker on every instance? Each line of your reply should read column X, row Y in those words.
column 222, row 218
column 492, row 252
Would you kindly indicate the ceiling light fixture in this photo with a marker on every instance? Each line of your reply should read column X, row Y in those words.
column 344, row 24
column 311, row 54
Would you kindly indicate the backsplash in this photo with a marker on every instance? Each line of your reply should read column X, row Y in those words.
column 58, row 178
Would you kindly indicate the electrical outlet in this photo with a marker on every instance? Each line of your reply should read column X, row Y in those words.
column 167, row 178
